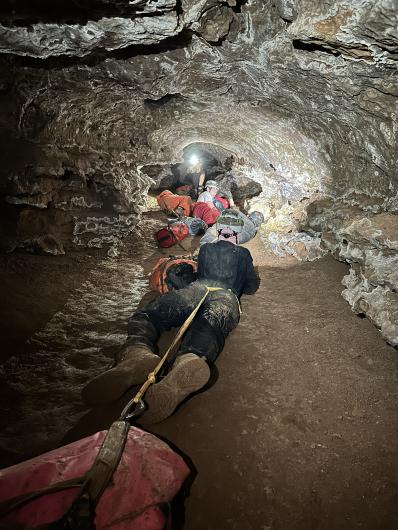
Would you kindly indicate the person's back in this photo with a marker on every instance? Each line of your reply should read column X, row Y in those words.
column 227, row 265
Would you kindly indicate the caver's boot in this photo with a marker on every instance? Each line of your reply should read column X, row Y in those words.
column 137, row 362
column 189, row 374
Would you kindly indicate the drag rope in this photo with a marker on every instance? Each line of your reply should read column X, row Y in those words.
column 137, row 399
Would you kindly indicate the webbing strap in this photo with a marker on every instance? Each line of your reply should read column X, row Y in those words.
column 91, row 485
column 107, row 460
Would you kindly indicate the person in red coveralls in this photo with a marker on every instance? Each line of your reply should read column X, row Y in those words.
column 205, row 208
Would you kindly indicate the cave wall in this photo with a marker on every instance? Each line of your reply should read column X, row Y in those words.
column 92, row 92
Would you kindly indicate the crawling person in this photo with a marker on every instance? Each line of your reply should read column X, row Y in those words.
column 223, row 265
column 213, row 194
column 205, row 207
column 251, row 224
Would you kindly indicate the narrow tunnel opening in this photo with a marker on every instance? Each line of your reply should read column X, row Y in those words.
column 314, row 47
column 204, row 162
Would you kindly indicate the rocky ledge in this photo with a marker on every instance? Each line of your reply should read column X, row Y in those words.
column 368, row 241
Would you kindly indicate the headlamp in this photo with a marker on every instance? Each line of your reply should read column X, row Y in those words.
column 194, row 160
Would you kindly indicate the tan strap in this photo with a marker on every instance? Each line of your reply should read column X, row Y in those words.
column 152, row 375
column 107, row 460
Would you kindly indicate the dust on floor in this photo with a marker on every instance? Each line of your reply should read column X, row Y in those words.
column 298, row 431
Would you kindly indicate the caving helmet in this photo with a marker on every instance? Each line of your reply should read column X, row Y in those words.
column 211, row 184
column 257, row 218
column 229, row 219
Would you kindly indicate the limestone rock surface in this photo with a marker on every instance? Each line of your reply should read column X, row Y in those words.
column 46, row 40
column 302, row 93
column 369, row 243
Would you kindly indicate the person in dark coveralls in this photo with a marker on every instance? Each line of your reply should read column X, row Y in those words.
column 222, row 264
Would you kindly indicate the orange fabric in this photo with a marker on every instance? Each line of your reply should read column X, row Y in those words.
column 157, row 279
column 169, row 202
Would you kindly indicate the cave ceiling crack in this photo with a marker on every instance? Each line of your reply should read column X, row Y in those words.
column 81, row 16
column 239, row 4
column 375, row 115
column 374, row 87
column 345, row 51
column 179, row 12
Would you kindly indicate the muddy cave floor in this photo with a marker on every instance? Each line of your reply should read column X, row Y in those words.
column 298, row 430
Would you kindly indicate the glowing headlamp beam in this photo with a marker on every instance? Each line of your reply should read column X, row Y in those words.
column 194, row 160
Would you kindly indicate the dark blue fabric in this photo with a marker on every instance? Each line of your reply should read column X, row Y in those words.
column 223, row 263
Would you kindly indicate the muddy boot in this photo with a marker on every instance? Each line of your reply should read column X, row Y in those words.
column 112, row 384
column 189, row 374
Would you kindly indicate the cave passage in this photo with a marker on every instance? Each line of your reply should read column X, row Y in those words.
column 289, row 412
column 291, row 107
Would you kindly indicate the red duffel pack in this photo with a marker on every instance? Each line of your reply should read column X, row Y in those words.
column 115, row 480
column 170, row 235
column 170, row 202
column 172, row 273
column 205, row 212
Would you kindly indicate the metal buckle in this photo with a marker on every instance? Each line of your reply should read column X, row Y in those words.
column 139, row 408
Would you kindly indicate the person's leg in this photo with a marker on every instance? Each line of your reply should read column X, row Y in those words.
column 189, row 374
column 200, row 346
column 138, row 357
column 218, row 316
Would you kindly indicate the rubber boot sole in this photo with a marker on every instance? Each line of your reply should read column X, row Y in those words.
column 189, row 375
column 111, row 385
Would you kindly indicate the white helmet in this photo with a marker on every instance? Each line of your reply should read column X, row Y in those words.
column 211, row 184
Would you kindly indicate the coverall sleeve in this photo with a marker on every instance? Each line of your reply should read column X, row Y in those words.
column 252, row 282
column 209, row 237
